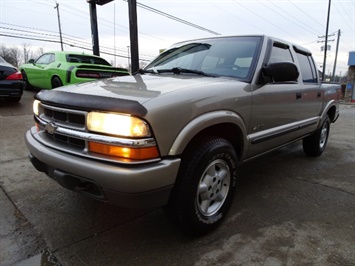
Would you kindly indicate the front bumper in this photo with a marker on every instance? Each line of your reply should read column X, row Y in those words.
column 135, row 186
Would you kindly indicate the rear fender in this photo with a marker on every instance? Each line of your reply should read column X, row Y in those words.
column 331, row 109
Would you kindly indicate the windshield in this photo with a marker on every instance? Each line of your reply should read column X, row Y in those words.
column 229, row 56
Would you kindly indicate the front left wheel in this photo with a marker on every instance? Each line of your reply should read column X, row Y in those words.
column 205, row 187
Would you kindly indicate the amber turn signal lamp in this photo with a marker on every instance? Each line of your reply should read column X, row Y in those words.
column 124, row 152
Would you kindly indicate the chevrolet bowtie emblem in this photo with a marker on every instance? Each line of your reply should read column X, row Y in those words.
column 50, row 128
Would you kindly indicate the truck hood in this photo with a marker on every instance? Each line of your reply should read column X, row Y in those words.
column 126, row 93
column 139, row 88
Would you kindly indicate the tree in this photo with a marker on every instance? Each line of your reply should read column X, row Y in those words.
column 26, row 52
column 15, row 55
column 38, row 53
column 11, row 55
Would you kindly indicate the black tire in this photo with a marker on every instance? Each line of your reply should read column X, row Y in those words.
column 27, row 86
column 314, row 145
column 205, row 186
column 56, row 82
column 15, row 99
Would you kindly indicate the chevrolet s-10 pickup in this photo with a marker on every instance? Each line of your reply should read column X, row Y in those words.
column 174, row 134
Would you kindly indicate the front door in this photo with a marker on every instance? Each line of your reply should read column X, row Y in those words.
column 275, row 108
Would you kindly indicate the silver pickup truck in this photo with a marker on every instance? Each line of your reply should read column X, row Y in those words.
column 175, row 133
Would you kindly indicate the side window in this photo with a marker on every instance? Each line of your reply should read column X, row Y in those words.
column 307, row 68
column 52, row 58
column 45, row 59
column 280, row 53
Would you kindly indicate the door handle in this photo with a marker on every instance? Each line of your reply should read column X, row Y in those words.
column 298, row 95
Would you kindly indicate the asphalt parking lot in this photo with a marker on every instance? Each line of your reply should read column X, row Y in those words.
column 289, row 209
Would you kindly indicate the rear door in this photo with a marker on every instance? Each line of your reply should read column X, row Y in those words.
column 310, row 92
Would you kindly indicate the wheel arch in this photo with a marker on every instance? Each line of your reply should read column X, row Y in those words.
column 224, row 124
column 24, row 73
column 56, row 76
column 331, row 110
column 332, row 113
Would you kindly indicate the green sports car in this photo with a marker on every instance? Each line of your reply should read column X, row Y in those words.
column 55, row 69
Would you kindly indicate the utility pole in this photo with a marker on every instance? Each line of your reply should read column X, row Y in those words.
column 336, row 56
column 326, row 43
column 60, row 29
column 323, row 48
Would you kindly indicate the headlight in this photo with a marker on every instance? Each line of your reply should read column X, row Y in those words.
column 36, row 104
column 117, row 124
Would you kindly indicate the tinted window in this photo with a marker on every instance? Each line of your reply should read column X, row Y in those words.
column 280, row 53
column 232, row 56
column 307, row 68
column 86, row 59
column 45, row 59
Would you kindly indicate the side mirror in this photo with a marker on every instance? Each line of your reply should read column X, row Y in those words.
column 280, row 72
column 31, row 61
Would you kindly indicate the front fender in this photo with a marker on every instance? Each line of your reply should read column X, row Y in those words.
column 203, row 122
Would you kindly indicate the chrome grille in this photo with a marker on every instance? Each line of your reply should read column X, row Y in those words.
column 68, row 140
column 76, row 119
column 64, row 117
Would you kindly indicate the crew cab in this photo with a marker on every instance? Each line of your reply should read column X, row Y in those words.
column 174, row 134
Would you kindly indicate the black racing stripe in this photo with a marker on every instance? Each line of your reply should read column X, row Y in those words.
column 69, row 71
column 90, row 102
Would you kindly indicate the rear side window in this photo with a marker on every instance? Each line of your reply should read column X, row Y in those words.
column 307, row 68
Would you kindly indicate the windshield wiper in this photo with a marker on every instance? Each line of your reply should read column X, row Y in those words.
column 179, row 70
column 144, row 71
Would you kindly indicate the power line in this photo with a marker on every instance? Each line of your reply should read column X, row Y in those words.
column 56, row 41
column 174, row 18
column 306, row 27
column 342, row 16
column 236, row 17
column 35, row 32
column 86, row 46
column 310, row 17
column 238, row 3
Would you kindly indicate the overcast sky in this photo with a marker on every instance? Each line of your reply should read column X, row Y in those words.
column 299, row 21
